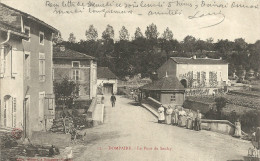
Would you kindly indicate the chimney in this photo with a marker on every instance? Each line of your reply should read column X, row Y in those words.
column 62, row 48
column 194, row 57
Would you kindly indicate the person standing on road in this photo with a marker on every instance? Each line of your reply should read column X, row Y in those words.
column 175, row 116
column 198, row 121
column 113, row 100
column 169, row 115
column 161, row 116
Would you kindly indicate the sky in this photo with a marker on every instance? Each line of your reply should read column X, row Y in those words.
column 237, row 23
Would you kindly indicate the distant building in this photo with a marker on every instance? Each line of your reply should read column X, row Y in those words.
column 197, row 73
column 77, row 67
column 167, row 90
column 27, row 99
column 107, row 81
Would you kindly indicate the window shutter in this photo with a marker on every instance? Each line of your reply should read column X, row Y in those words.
column 2, row 62
column 14, row 63
column 14, row 111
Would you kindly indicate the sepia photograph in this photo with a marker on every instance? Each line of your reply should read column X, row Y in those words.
column 129, row 80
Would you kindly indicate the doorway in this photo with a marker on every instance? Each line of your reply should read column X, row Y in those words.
column 107, row 88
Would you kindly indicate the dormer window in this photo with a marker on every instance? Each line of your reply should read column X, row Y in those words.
column 75, row 64
column 41, row 38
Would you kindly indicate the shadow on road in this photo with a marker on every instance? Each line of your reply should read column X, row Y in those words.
column 93, row 137
column 134, row 103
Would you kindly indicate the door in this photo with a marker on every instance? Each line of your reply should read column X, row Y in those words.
column 108, row 88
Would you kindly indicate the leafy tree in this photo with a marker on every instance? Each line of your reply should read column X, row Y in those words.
column 167, row 34
column 189, row 43
column 240, row 44
column 123, row 34
column 65, row 92
column 138, row 33
column 57, row 39
column 108, row 33
column 91, row 33
column 72, row 38
column 151, row 32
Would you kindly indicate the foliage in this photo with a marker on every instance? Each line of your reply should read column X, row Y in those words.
column 72, row 38
column 123, row 34
column 151, row 32
column 138, row 33
column 65, row 92
column 91, row 33
column 220, row 104
column 108, row 33
column 167, row 34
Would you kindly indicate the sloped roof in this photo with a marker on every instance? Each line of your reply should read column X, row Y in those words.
column 12, row 17
column 183, row 60
column 168, row 83
column 6, row 28
column 69, row 54
column 105, row 72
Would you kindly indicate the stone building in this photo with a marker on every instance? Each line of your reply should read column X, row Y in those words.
column 77, row 67
column 167, row 90
column 107, row 81
column 198, row 75
column 27, row 100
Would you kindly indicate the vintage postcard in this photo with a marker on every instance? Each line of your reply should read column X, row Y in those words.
column 129, row 80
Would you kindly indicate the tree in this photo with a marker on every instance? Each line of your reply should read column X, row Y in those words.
column 240, row 44
column 220, row 104
column 72, row 38
column 151, row 32
column 91, row 33
column 57, row 39
column 123, row 34
column 167, row 34
column 189, row 43
column 108, row 33
column 138, row 33
column 65, row 92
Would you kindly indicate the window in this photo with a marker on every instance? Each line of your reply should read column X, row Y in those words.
column 27, row 65
column 41, row 38
column 42, row 67
column 173, row 97
column 76, row 74
column 27, row 32
column 75, row 64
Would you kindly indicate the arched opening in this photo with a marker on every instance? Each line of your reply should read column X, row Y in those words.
column 184, row 83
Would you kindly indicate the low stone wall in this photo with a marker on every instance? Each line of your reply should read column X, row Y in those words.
column 220, row 126
column 195, row 105
column 49, row 138
column 91, row 109
column 154, row 103
column 95, row 113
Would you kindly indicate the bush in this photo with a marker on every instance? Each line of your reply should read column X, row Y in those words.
column 220, row 104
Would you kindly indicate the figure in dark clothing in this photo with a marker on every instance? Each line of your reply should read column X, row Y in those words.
column 113, row 100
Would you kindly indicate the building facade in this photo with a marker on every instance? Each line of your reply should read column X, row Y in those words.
column 77, row 67
column 167, row 90
column 107, row 81
column 202, row 74
column 26, row 82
